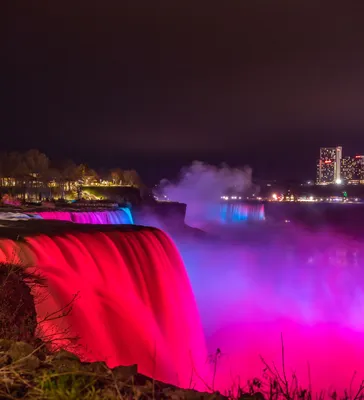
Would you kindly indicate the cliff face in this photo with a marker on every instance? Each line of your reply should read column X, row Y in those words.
column 18, row 319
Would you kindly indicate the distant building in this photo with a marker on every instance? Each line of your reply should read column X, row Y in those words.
column 360, row 168
column 329, row 165
column 318, row 172
column 352, row 169
column 348, row 168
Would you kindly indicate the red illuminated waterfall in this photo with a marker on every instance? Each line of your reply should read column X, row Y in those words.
column 135, row 303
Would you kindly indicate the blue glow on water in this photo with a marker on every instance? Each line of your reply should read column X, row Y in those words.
column 128, row 213
column 239, row 212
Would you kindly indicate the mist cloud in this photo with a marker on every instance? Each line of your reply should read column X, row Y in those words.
column 201, row 186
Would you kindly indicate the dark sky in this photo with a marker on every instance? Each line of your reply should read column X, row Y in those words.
column 153, row 85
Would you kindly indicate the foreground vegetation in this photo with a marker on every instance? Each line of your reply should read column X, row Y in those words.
column 29, row 370
column 34, row 373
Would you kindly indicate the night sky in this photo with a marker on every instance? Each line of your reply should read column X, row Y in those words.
column 154, row 85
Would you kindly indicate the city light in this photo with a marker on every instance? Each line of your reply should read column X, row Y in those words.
column 333, row 168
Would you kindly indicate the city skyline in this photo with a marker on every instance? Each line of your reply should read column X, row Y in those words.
column 335, row 168
column 154, row 88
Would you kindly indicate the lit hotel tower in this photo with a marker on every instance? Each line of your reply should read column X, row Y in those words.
column 329, row 165
column 352, row 169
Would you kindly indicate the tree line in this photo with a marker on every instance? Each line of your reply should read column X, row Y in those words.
column 34, row 169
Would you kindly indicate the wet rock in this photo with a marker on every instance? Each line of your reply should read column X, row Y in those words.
column 65, row 365
column 181, row 394
column 29, row 363
column 5, row 344
column 110, row 393
column 65, row 355
column 123, row 374
column 5, row 359
column 41, row 349
column 21, row 355
column 97, row 368
column 19, row 350
column 63, row 361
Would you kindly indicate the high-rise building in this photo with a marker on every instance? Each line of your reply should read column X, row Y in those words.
column 352, row 169
column 348, row 168
column 360, row 168
column 318, row 166
column 329, row 165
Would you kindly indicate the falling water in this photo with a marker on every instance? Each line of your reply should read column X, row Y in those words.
column 109, row 217
column 135, row 303
column 238, row 212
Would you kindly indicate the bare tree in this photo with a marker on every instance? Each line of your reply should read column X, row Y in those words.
column 117, row 176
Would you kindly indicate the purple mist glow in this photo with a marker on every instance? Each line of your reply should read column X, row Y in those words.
column 255, row 283
column 309, row 287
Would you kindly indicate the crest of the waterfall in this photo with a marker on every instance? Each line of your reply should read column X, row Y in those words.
column 129, row 215
column 17, row 216
column 201, row 186
column 109, row 217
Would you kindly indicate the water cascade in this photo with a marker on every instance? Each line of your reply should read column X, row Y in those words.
column 109, row 217
column 239, row 212
column 202, row 215
column 134, row 303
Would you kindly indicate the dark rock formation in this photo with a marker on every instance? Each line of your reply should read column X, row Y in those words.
column 63, row 376
column 17, row 310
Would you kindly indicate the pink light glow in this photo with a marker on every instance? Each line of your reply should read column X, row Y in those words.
column 248, row 297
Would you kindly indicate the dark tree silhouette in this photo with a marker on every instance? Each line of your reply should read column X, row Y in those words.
column 32, row 173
